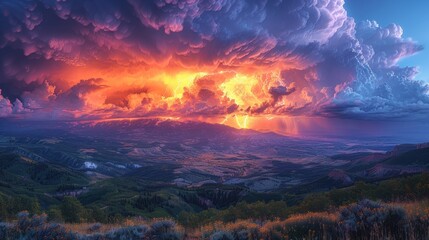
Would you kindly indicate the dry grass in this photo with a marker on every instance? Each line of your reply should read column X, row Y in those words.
column 313, row 225
column 320, row 225
column 312, row 216
column 317, row 224
column 415, row 208
column 85, row 228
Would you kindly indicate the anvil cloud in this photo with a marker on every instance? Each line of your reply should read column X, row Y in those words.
column 63, row 59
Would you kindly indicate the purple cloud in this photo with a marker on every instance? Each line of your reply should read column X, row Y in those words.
column 5, row 106
column 334, row 66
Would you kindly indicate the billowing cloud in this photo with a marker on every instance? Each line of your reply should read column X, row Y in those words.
column 107, row 58
column 384, row 47
column 278, row 92
column 379, row 88
column 5, row 106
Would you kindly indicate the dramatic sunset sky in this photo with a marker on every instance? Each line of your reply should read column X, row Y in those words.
column 288, row 66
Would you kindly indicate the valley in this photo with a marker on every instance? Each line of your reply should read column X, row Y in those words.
column 186, row 166
column 193, row 154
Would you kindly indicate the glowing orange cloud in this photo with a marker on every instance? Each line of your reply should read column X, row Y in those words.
column 229, row 96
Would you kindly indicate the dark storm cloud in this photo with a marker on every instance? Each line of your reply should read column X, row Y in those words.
column 119, row 98
column 333, row 67
column 73, row 99
column 280, row 91
column 214, row 31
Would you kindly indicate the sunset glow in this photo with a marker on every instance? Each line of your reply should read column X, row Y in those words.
column 205, row 60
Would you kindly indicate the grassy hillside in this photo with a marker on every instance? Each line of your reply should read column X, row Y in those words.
column 411, row 188
column 419, row 157
column 39, row 182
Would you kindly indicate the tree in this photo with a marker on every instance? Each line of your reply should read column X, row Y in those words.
column 315, row 203
column 72, row 210
column 54, row 215
column 24, row 203
column 98, row 215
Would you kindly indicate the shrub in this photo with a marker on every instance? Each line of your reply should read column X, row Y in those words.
column 35, row 227
column 244, row 230
column 6, row 231
column 419, row 226
column 311, row 226
column 221, row 235
column 273, row 230
column 303, row 226
column 128, row 233
column 369, row 219
column 52, row 231
column 164, row 230
column 25, row 223
column 94, row 227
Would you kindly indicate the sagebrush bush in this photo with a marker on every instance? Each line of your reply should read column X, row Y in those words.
column 164, row 230
column 221, row 235
column 419, row 226
column 369, row 219
column 53, row 231
column 363, row 220
column 35, row 227
column 244, row 231
column 5, row 230
column 94, row 227
column 128, row 233
column 160, row 230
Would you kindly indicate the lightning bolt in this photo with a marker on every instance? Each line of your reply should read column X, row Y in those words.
column 242, row 123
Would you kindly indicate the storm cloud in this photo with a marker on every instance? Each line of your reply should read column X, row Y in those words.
column 111, row 58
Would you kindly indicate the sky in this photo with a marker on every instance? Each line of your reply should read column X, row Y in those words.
column 412, row 16
column 284, row 66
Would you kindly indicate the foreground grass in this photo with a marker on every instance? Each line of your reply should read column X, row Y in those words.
column 362, row 220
